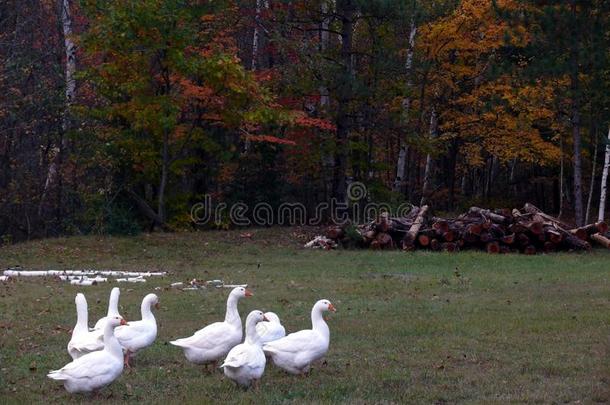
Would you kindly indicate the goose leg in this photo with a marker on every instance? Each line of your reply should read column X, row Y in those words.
column 126, row 359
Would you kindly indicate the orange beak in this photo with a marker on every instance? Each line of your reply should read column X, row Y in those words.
column 332, row 308
column 157, row 306
column 249, row 293
column 123, row 322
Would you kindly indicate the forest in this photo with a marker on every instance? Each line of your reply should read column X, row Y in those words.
column 116, row 117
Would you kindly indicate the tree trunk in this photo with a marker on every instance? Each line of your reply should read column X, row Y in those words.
column 560, row 177
column 428, row 169
column 575, row 89
column 590, row 197
column 399, row 182
column 327, row 158
column 346, row 11
column 70, row 93
column 256, row 34
column 163, row 182
column 603, row 188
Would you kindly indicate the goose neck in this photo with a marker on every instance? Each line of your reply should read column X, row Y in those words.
column 146, row 311
column 318, row 323
column 111, row 344
column 113, row 303
column 232, row 315
column 252, row 336
column 82, row 320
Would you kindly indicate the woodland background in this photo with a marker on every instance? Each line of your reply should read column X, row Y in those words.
column 117, row 116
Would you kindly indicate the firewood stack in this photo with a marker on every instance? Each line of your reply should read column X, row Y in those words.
column 528, row 231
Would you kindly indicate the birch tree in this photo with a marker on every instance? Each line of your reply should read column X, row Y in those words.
column 399, row 182
column 590, row 197
column 428, row 168
column 604, row 184
column 70, row 93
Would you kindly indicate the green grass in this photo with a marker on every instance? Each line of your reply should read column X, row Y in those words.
column 408, row 329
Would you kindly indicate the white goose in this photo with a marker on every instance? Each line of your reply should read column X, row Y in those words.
column 113, row 309
column 94, row 370
column 296, row 352
column 137, row 335
column 245, row 363
column 271, row 330
column 212, row 343
column 83, row 341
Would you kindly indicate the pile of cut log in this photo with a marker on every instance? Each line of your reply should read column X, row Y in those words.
column 528, row 231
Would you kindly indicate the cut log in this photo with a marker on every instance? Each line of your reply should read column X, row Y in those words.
column 601, row 240
column 497, row 231
column 532, row 209
column 530, row 250
column 549, row 247
column 435, row 244
column 449, row 247
column 469, row 237
column 499, row 219
column 449, row 236
column 486, row 237
column 504, row 249
column 335, row 232
column 517, row 228
column 369, row 236
column 440, row 226
column 580, row 233
column 535, row 227
column 493, row 247
column 424, row 238
column 410, row 236
column 384, row 240
column 383, row 223
column 508, row 239
column 571, row 242
column 585, row 231
column 474, row 229
column 553, row 235
column 523, row 240
column 602, row 227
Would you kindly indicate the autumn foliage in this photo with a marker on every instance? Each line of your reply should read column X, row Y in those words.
column 497, row 102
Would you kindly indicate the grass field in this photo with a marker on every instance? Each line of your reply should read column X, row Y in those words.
column 409, row 328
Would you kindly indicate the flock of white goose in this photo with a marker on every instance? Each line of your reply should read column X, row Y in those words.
column 100, row 354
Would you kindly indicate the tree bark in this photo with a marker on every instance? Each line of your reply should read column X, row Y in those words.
column 428, row 169
column 575, row 89
column 399, row 182
column 70, row 93
column 590, row 197
column 163, row 182
column 346, row 10
column 604, row 187
column 256, row 34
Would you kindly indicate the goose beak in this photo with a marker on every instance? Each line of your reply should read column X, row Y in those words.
column 332, row 308
column 265, row 318
column 123, row 322
column 249, row 293
column 157, row 306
